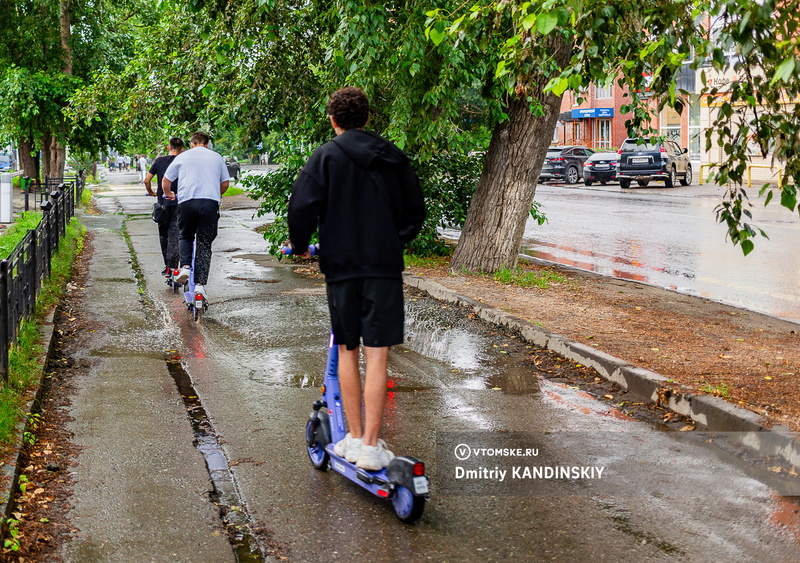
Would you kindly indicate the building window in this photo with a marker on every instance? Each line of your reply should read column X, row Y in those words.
column 577, row 134
column 603, row 134
column 603, row 92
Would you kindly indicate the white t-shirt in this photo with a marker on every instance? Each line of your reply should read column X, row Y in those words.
column 199, row 171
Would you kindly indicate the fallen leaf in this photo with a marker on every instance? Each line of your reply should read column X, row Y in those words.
column 725, row 356
column 608, row 396
column 687, row 428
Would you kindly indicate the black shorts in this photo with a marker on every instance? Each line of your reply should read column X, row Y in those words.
column 368, row 309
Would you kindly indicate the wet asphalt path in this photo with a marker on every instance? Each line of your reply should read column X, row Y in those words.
column 256, row 360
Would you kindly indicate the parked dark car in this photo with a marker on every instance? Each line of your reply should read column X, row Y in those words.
column 600, row 167
column 564, row 163
column 234, row 168
column 653, row 159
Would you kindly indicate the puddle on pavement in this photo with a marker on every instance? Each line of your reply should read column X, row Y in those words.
column 447, row 334
column 226, row 493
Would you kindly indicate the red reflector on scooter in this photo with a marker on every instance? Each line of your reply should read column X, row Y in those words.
column 383, row 493
column 419, row 469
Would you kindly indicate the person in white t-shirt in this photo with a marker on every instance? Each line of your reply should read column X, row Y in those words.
column 202, row 179
column 142, row 167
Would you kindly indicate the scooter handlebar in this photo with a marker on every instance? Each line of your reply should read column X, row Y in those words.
column 288, row 251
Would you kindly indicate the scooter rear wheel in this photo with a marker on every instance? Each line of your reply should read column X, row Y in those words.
column 316, row 452
column 407, row 507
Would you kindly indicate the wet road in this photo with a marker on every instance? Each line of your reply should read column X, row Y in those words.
column 256, row 359
column 670, row 238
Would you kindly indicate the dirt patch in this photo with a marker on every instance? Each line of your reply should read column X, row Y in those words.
column 747, row 358
column 42, row 508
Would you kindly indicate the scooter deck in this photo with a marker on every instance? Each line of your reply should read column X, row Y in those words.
column 373, row 481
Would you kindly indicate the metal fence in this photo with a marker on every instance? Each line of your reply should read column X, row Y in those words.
column 22, row 272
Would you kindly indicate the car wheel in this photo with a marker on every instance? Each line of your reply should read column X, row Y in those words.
column 643, row 183
column 587, row 182
column 572, row 175
column 624, row 184
column 670, row 181
column 687, row 178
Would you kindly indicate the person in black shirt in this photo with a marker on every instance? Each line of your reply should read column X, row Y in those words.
column 168, row 232
column 360, row 191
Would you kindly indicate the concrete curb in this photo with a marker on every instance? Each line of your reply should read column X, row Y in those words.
column 12, row 472
column 709, row 413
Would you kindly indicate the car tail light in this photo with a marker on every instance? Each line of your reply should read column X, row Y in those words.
column 559, row 159
column 663, row 149
column 619, row 151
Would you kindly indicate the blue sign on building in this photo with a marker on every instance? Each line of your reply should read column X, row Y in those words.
column 592, row 112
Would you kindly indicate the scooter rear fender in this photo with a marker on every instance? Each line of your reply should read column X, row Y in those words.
column 400, row 471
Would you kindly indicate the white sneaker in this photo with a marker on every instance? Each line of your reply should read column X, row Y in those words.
column 374, row 458
column 348, row 448
column 184, row 274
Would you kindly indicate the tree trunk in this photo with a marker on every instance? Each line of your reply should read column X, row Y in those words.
column 492, row 234
column 65, row 22
column 58, row 159
column 47, row 141
column 26, row 160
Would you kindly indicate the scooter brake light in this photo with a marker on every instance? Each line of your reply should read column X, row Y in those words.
column 419, row 469
column 383, row 493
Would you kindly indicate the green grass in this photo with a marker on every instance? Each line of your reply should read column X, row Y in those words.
column 26, row 357
column 518, row 277
column 233, row 191
column 414, row 261
column 17, row 231
column 720, row 389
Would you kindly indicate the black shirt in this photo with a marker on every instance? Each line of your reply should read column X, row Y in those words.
column 157, row 169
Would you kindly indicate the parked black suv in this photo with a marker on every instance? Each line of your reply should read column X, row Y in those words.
column 653, row 159
column 564, row 163
column 600, row 167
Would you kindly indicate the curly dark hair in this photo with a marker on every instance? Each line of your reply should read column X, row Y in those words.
column 349, row 107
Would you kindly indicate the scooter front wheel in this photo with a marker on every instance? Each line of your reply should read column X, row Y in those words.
column 316, row 451
column 407, row 507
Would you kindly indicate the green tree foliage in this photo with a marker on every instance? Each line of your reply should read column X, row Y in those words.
column 264, row 68
column 34, row 87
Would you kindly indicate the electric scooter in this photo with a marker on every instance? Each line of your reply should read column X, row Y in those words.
column 403, row 481
column 172, row 282
column 194, row 301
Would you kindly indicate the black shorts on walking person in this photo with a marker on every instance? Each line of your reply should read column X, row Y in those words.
column 367, row 308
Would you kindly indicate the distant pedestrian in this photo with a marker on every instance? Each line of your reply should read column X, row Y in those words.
column 202, row 178
column 142, row 168
column 168, row 232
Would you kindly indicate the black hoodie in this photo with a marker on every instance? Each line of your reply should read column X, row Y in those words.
column 363, row 226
